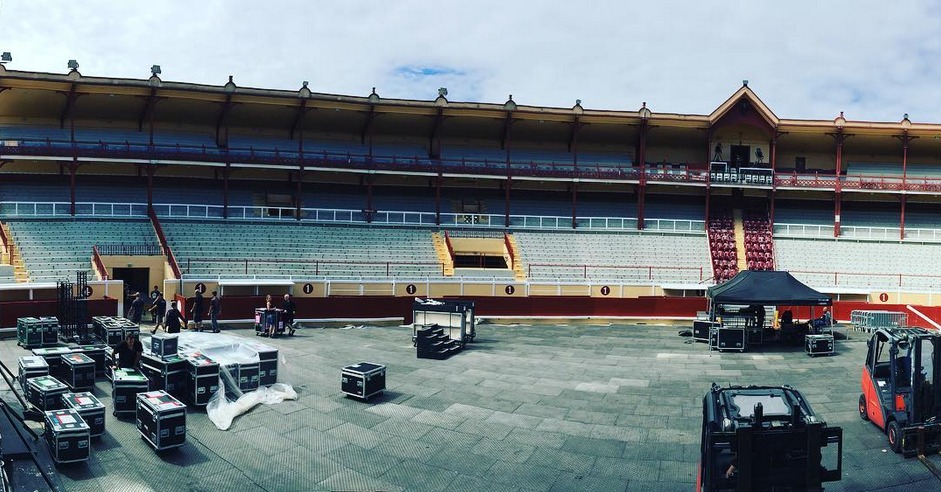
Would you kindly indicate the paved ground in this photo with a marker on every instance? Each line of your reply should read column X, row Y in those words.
column 525, row 407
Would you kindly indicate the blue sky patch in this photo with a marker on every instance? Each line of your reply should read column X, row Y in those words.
column 423, row 71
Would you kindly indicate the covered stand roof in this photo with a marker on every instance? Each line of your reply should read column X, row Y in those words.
column 767, row 288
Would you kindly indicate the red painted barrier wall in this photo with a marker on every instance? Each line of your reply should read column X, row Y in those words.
column 356, row 307
column 11, row 310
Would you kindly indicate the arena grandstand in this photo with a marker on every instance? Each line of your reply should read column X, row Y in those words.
column 530, row 211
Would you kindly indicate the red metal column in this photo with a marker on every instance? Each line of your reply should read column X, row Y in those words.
column 506, row 199
column 707, row 207
column 642, row 182
column 300, row 174
column 225, row 191
column 369, row 199
column 902, row 218
column 774, row 152
column 150, row 187
column 72, row 168
column 574, row 203
column 905, row 140
column 771, row 208
column 840, row 137
column 838, row 197
column 438, row 197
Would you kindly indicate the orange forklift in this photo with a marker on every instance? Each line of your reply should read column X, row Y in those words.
column 900, row 390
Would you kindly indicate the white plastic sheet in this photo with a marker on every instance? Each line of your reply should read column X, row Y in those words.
column 222, row 412
column 227, row 350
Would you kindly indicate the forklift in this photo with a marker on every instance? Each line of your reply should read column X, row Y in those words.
column 900, row 393
column 765, row 438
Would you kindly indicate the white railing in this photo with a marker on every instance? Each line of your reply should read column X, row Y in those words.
column 803, row 230
column 927, row 235
column 341, row 216
column 64, row 209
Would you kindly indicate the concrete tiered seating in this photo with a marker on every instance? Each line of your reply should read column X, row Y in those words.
column 54, row 249
column 618, row 257
column 861, row 264
column 239, row 249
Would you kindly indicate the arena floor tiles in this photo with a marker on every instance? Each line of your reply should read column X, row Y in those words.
column 524, row 408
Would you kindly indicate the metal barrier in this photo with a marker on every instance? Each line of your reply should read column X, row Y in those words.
column 868, row 321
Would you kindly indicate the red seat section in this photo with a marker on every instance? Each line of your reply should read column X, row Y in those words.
column 759, row 240
column 721, row 231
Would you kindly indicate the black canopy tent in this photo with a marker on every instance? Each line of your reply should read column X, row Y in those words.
column 766, row 287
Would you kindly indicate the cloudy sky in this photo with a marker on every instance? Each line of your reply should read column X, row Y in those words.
column 875, row 60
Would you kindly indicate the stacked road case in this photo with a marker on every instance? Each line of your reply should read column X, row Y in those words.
column 37, row 332
column 161, row 420
column 77, row 371
column 203, row 378
column 125, row 386
column 363, row 380
column 97, row 354
column 90, row 408
column 31, row 366
column 68, row 436
column 53, row 356
column 113, row 329
column 167, row 374
column 45, row 393
column 28, row 332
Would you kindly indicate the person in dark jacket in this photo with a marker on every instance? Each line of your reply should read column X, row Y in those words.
column 288, row 309
column 215, row 309
column 137, row 308
column 127, row 353
column 157, row 311
column 196, row 312
column 175, row 319
column 154, row 294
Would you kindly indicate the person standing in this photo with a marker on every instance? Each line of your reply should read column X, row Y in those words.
column 196, row 312
column 289, row 308
column 215, row 308
column 175, row 319
column 137, row 308
column 153, row 299
column 127, row 353
column 157, row 310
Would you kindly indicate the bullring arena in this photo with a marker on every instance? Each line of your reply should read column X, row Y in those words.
column 585, row 238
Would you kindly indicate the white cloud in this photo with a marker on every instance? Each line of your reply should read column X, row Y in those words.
column 806, row 59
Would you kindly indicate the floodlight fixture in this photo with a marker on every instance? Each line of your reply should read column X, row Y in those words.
column 6, row 57
column 442, row 91
column 73, row 65
column 155, row 70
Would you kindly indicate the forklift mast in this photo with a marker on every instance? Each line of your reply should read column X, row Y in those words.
column 763, row 438
column 900, row 388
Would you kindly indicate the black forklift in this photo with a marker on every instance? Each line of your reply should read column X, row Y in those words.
column 900, row 393
column 765, row 438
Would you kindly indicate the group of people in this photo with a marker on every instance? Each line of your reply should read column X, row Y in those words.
column 128, row 352
column 286, row 312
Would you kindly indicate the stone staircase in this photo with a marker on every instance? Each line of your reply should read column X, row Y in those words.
column 12, row 256
column 519, row 273
column 444, row 256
